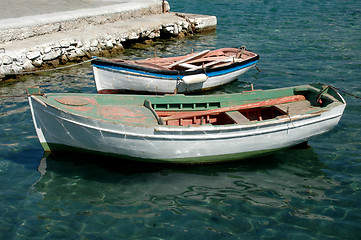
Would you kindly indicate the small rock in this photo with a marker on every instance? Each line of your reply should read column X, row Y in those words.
column 64, row 44
column 80, row 52
column 109, row 44
column 74, row 42
column 86, row 44
column 37, row 62
column 16, row 68
column 31, row 55
column 70, row 48
column 133, row 36
column 47, row 49
column 94, row 43
column 94, row 49
column 5, row 70
column 118, row 47
column 169, row 29
column 28, row 66
column 154, row 34
column 102, row 45
column 72, row 56
column 79, row 44
column 55, row 63
column 148, row 42
column 64, row 59
column 6, row 60
column 176, row 30
column 52, row 55
column 123, row 37
column 145, row 33
column 88, row 55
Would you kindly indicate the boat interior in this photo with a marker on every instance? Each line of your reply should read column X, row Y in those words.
column 225, row 118
column 184, row 111
column 283, row 107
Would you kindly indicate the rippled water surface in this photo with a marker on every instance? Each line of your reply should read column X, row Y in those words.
column 311, row 193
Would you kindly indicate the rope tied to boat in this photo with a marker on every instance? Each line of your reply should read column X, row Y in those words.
column 319, row 95
column 350, row 94
column 55, row 69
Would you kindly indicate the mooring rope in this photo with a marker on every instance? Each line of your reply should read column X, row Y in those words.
column 12, row 96
column 337, row 89
column 45, row 70
column 55, row 69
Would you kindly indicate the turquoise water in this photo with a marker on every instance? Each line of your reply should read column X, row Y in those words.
column 312, row 193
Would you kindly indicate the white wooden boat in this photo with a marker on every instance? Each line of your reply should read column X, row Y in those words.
column 184, row 129
column 183, row 74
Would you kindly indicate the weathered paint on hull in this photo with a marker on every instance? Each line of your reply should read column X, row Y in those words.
column 59, row 148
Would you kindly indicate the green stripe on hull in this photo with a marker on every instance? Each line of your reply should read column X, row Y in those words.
column 192, row 160
column 45, row 147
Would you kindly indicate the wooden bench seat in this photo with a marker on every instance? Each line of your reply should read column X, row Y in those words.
column 295, row 108
column 237, row 117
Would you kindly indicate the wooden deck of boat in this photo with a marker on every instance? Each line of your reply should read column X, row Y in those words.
column 296, row 108
column 194, row 61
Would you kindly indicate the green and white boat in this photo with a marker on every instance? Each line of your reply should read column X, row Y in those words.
column 185, row 129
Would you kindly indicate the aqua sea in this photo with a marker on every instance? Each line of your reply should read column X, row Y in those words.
column 309, row 193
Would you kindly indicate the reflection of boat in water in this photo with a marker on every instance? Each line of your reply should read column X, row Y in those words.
column 270, row 182
column 73, row 163
column 185, row 129
column 103, row 187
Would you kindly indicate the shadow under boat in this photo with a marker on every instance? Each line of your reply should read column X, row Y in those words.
column 68, row 160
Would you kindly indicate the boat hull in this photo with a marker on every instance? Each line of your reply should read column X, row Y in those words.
column 59, row 130
column 113, row 81
column 110, row 79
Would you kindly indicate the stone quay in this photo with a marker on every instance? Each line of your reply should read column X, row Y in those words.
column 46, row 38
